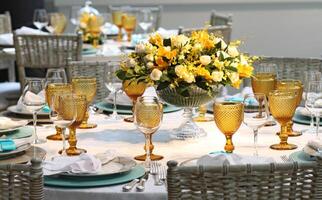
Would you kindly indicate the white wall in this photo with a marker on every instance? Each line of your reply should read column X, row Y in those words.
column 272, row 28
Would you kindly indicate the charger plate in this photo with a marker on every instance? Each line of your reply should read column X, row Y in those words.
column 302, row 119
column 23, row 132
column 93, row 181
column 14, row 109
column 25, row 156
column 127, row 110
column 19, row 124
column 302, row 157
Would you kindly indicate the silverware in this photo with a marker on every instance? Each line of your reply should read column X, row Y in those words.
column 128, row 187
column 154, row 171
column 141, row 185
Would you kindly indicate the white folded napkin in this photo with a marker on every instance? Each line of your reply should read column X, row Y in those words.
column 36, row 98
column 109, row 50
column 313, row 147
column 7, row 123
column 109, row 29
column 82, row 164
column 6, row 39
column 232, row 159
column 26, row 30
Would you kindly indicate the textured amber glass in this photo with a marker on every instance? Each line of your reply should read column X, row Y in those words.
column 228, row 118
column 263, row 82
column 129, row 24
column 56, row 89
column 117, row 20
column 133, row 90
column 282, row 105
column 85, row 86
column 297, row 87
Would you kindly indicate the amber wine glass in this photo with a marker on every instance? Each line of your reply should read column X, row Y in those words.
column 133, row 89
column 202, row 109
column 228, row 118
column 56, row 89
column 80, row 103
column 296, row 86
column 148, row 115
column 282, row 105
column 85, row 86
column 129, row 24
column 117, row 14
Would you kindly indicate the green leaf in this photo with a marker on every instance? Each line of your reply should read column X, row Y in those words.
column 163, row 85
column 232, row 69
column 202, row 84
column 167, row 42
column 121, row 74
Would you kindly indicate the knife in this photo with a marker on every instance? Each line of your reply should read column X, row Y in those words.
column 141, row 185
column 128, row 187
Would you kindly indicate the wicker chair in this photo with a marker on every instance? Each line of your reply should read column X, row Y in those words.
column 219, row 19
column 45, row 51
column 224, row 31
column 93, row 69
column 20, row 181
column 5, row 23
column 265, row 181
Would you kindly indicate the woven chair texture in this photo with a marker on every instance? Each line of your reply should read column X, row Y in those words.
column 273, row 181
column 22, row 181
column 5, row 23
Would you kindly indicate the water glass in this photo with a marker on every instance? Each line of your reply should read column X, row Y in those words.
column 40, row 18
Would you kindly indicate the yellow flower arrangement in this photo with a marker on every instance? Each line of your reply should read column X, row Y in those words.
column 90, row 25
column 202, row 59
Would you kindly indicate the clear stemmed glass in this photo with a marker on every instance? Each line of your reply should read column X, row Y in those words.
column 56, row 75
column 255, row 116
column 60, row 117
column 40, row 19
column 148, row 116
column 311, row 75
column 114, row 85
column 314, row 102
column 145, row 20
column 33, row 98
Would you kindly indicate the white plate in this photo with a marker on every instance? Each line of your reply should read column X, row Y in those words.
column 14, row 109
column 303, row 111
column 4, row 155
column 116, row 166
column 9, row 50
column 19, row 124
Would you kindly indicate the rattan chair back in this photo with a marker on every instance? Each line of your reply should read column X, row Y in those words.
column 217, row 19
column 5, row 23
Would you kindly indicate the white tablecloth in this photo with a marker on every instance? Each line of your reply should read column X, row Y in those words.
column 124, row 138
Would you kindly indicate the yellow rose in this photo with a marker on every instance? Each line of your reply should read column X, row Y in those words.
column 155, row 74
column 205, row 59
column 245, row 71
column 180, row 70
column 149, row 57
column 217, row 76
column 179, row 40
column 189, row 77
column 150, row 65
column 232, row 51
column 219, row 64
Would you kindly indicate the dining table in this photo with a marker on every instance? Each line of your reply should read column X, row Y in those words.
column 126, row 140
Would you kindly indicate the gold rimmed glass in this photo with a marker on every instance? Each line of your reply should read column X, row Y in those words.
column 80, row 103
column 228, row 118
column 133, row 89
column 282, row 105
column 129, row 23
column 296, row 86
column 148, row 115
column 85, row 86
column 56, row 89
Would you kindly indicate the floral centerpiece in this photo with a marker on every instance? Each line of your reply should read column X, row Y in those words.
column 194, row 66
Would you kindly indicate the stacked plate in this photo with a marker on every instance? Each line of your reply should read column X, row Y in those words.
column 15, row 113
column 119, row 170
column 303, row 116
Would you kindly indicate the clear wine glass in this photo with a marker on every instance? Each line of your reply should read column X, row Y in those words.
column 60, row 117
column 314, row 102
column 74, row 11
column 256, row 113
column 145, row 20
column 56, row 75
column 40, row 19
column 114, row 85
column 148, row 116
column 33, row 98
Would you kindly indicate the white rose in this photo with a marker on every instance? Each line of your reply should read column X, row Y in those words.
column 155, row 74
column 234, row 77
column 180, row 70
column 179, row 40
column 205, row 59
column 223, row 44
column 232, row 50
column 189, row 78
column 149, row 57
column 132, row 62
column 140, row 48
column 217, row 76
column 150, row 65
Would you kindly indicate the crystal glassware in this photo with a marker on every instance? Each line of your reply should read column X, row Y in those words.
column 148, row 115
column 114, row 85
column 56, row 90
column 255, row 116
column 202, row 110
column 145, row 20
column 56, row 75
column 296, row 86
column 80, row 103
column 33, row 98
column 61, row 116
column 228, row 118
column 117, row 14
column 129, row 23
column 314, row 102
column 40, row 19
column 133, row 89
column 85, row 86
column 282, row 105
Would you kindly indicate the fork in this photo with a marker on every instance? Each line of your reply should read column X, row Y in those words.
column 154, row 171
column 163, row 175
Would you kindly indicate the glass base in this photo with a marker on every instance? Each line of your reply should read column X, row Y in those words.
column 188, row 130
column 39, row 141
column 73, row 152
column 292, row 134
column 152, row 156
column 129, row 119
column 203, row 119
column 270, row 123
column 283, row 146
column 87, row 126
column 56, row 137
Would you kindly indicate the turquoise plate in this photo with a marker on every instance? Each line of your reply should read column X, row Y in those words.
column 302, row 157
column 127, row 110
column 301, row 119
column 23, row 132
column 95, row 181
column 88, row 51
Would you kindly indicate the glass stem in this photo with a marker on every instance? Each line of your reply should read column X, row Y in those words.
column 34, row 116
column 114, row 104
column 312, row 121
column 255, row 141
column 317, row 125
column 63, row 130
column 147, row 150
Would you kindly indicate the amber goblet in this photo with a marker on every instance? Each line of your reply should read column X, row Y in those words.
column 296, row 86
column 202, row 115
column 85, row 86
column 282, row 105
column 117, row 20
column 79, row 102
column 133, row 89
column 56, row 89
column 129, row 24
column 228, row 118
